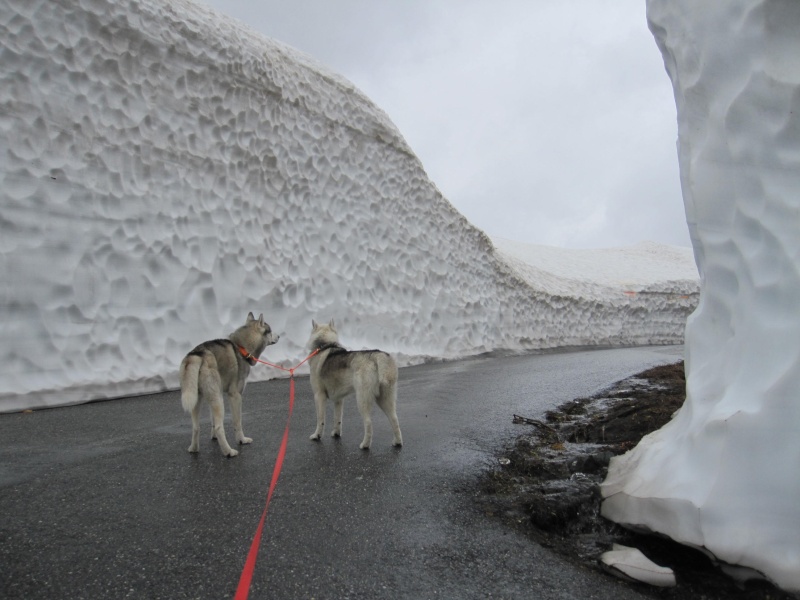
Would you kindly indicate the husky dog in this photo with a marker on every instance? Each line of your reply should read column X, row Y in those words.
column 221, row 367
column 336, row 373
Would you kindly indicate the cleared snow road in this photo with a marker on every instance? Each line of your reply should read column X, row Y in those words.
column 103, row 501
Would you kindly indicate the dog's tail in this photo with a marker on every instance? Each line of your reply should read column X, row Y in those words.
column 190, row 372
column 387, row 374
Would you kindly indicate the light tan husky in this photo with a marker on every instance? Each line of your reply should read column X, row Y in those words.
column 221, row 367
column 337, row 372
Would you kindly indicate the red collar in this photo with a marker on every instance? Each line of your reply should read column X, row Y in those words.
column 247, row 356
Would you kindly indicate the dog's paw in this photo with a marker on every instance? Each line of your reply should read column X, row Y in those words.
column 233, row 453
column 194, row 449
column 245, row 440
column 314, row 437
column 336, row 434
column 364, row 446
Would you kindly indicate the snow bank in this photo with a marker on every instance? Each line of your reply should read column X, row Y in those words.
column 646, row 268
column 723, row 474
column 165, row 170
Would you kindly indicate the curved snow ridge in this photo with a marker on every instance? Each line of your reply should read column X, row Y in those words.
column 267, row 66
column 165, row 170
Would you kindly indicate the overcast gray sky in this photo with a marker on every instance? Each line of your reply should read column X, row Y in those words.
column 544, row 121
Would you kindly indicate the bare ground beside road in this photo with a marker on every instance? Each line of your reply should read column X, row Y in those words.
column 547, row 484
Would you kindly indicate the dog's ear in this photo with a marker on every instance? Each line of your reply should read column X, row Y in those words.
column 250, row 317
column 332, row 325
column 261, row 319
column 314, row 325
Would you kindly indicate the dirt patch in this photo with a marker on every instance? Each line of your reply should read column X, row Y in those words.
column 547, row 484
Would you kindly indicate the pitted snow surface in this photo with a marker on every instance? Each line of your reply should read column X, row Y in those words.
column 722, row 474
column 165, row 170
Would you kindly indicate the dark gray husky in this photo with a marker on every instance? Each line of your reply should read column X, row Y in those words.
column 337, row 372
column 221, row 367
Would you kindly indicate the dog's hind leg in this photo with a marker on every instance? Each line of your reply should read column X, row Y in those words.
column 218, row 417
column 211, row 415
column 211, row 387
column 338, row 409
column 364, row 399
column 235, row 399
column 387, row 400
column 190, row 394
column 195, row 445
column 320, row 398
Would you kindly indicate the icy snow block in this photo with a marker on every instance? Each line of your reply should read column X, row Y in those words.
column 164, row 170
column 722, row 475
column 630, row 563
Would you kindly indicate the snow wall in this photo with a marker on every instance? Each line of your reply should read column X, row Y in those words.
column 164, row 170
column 723, row 474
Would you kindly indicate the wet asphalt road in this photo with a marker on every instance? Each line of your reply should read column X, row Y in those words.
column 103, row 500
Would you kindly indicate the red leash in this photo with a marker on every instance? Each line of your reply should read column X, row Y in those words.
column 243, row 588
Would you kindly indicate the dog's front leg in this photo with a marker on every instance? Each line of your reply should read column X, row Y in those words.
column 320, row 399
column 235, row 400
